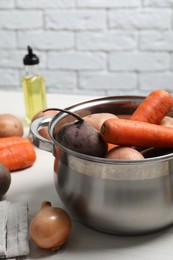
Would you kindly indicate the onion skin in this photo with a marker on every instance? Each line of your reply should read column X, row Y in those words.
column 50, row 227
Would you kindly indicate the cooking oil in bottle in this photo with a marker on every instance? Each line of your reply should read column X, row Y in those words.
column 33, row 87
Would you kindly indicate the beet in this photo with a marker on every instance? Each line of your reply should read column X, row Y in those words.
column 81, row 137
column 5, row 180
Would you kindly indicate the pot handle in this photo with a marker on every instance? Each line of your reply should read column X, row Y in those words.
column 38, row 140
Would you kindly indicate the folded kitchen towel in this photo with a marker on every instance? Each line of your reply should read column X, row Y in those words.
column 22, row 210
column 12, row 232
column 4, row 205
column 16, row 231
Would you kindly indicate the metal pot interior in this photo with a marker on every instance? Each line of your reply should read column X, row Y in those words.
column 121, row 105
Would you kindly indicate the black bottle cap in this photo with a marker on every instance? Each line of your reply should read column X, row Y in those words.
column 30, row 58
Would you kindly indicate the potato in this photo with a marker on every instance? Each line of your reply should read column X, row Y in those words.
column 124, row 153
column 167, row 121
column 10, row 125
column 44, row 131
column 96, row 120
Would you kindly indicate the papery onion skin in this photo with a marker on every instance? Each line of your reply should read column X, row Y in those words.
column 50, row 227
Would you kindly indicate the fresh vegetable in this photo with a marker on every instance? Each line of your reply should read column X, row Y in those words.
column 167, row 121
column 81, row 137
column 154, row 107
column 111, row 146
column 5, row 180
column 50, row 227
column 96, row 120
column 16, row 153
column 135, row 133
column 124, row 153
column 10, row 125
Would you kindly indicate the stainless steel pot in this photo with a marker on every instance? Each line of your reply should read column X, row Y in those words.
column 120, row 197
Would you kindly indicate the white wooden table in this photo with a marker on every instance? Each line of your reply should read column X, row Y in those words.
column 36, row 184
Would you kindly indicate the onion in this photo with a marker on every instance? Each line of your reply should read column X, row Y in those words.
column 50, row 227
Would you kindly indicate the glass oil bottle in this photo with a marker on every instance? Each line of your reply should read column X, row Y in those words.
column 33, row 85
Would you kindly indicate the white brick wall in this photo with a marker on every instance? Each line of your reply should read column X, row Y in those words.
column 139, row 61
column 99, row 47
column 77, row 61
column 47, row 40
column 140, row 19
column 76, row 19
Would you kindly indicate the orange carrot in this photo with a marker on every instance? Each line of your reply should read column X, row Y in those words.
column 154, row 107
column 9, row 141
column 16, row 153
column 135, row 133
column 111, row 146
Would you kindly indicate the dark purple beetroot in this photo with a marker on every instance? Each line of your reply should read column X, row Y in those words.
column 79, row 136
column 5, row 180
column 83, row 138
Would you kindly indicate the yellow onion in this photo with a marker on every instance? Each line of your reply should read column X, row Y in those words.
column 50, row 227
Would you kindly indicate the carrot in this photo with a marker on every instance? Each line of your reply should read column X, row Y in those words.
column 111, row 146
column 135, row 133
column 154, row 107
column 16, row 153
column 9, row 141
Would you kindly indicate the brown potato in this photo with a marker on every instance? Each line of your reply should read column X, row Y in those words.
column 167, row 121
column 44, row 131
column 124, row 153
column 10, row 125
column 96, row 120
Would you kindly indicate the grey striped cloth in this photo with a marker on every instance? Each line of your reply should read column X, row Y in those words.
column 13, row 229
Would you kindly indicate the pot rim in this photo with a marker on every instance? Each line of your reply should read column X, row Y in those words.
column 61, row 115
